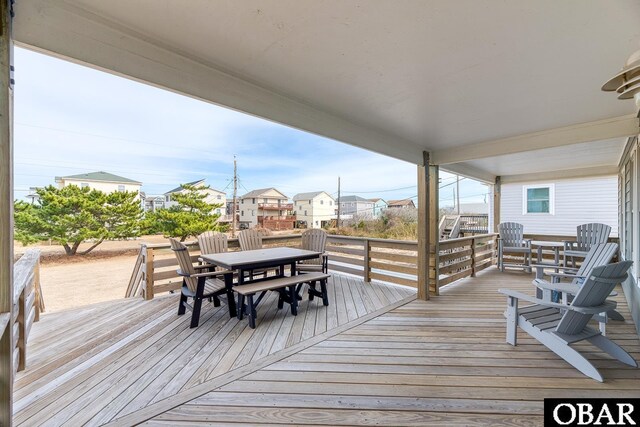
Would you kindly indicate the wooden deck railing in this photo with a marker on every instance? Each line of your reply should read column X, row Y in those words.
column 392, row 261
column 27, row 303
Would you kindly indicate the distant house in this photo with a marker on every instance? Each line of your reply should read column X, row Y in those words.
column 314, row 209
column 558, row 207
column 474, row 208
column 152, row 202
column 213, row 196
column 379, row 206
column 401, row 204
column 103, row 181
column 356, row 206
column 268, row 208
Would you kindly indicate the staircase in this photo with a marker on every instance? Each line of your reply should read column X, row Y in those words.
column 449, row 227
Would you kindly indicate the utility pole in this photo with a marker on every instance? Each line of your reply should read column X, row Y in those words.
column 338, row 221
column 235, row 191
column 458, row 193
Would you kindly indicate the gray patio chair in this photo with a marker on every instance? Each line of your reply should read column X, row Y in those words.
column 598, row 255
column 557, row 326
column 197, row 285
column 587, row 235
column 314, row 240
column 512, row 240
column 251, row 240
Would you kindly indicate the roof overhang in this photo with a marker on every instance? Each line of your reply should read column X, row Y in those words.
column 467, row 81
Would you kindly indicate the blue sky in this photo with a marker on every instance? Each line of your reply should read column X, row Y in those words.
column 72, row 119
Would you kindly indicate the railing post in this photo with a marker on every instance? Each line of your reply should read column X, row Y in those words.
column 367, row 258
column 473, row 257
column 38, row 300
column 148, row 291
column 22, row 329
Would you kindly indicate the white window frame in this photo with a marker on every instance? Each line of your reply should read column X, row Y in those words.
column 552, row 199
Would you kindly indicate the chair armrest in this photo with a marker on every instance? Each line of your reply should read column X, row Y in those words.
column 567, row 288
column 205, row 274
column 567, row 276
column 200, row 267
column 607, row 306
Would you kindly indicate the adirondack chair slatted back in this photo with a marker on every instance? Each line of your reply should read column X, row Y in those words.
column 512, row 234
column 184, row 261
column 599, row 254
column 314, row 240
column 250, row 240
column 212, row 243
column 592, row 293
column 590, row 234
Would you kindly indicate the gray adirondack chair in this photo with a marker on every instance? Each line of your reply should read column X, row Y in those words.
column 198, row 283
column 557, row 326
column 512, row 240
column 314, row 240
column 587, row 235
column 598, row 255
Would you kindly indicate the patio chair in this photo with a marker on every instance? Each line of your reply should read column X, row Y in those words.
column 598, row 255
column 197, row 285
column 557, row 326
column 512, row 240
column 587, row 235
column 212, row 243
column 251, row 240
column 314, row 240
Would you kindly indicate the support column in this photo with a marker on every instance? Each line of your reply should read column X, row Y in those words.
column 6, row 214
column 428, row 239
column 497, row 190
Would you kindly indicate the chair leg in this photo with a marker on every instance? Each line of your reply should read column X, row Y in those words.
column 181, row 307
column 280, row 299
column 325, row 297
column 294, row 300
column 312, row 288
column 512, row 320
column 613, row 350
column 195, row 317
column 216, row 301
column 615, row 315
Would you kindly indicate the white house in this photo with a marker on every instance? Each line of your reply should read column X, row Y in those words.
column 268, row 208
column 557, row 207
column 213, row 196
column 103, row 181
column 152, row 202
column 314, row 209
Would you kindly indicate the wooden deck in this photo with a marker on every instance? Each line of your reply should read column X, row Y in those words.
column 441, row 362
column 104, row 361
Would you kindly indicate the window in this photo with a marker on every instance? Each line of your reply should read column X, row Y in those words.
column 316, row 222
column 538, row 199
column 322, row 203
column 352, row 204
column 242, row 213
column 167, row 198
column 242, row 201
column 121, row 188
column 305, row 213
column 253, row 201
column 253, row 212
column 84, row 185
column 330, row 203
column 219, row 197
column 265, row 201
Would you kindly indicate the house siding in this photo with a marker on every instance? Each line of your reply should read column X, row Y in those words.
column 577, row 201
column 319, row 209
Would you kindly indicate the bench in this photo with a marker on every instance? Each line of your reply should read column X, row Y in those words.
column 279, row 284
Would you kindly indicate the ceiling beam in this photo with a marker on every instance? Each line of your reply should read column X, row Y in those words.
column 470, row 172
column 607, row 170
column 69, row 32
column 615, row 127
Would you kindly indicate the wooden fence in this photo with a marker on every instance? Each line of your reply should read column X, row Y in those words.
column 392, row 261
column 27, row 303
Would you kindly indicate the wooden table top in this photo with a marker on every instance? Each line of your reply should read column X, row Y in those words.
column 550, row 244
column 259, row 257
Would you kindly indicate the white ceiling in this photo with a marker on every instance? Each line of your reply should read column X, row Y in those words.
column 417, row 74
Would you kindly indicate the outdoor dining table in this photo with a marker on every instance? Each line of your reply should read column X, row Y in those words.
column 555, row 246
column 243, row 261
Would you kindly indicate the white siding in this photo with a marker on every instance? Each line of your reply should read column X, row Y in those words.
column 577, row 201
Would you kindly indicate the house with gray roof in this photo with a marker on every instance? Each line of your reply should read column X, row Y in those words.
column 315, row 209
column 268, row 208
column 213, row 196
column 356, row 206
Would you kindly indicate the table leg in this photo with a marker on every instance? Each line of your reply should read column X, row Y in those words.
column 539, row 254
column 556, row 257
column 228, row 284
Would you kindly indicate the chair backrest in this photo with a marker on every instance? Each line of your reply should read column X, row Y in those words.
column 511, row 233
column 212, row 243
column 314, row 240
column 599, row 254
column 184, row 261
column 588, row 235
column 250, row 240
column 592, row 293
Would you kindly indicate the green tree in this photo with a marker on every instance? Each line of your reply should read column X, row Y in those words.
column 72, row 215
column 191, row 215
